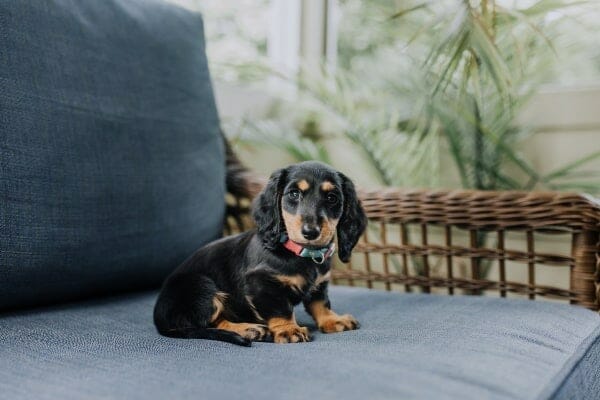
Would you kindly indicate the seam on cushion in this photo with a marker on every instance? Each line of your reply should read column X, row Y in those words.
column 569, row 367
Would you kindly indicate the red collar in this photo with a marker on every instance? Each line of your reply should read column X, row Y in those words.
column 318, row 255
column 293, row 247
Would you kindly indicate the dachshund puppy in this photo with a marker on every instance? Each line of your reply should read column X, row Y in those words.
column 243, row 288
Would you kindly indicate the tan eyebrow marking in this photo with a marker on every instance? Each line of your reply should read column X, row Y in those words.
column 327, row 186
column 303, row 185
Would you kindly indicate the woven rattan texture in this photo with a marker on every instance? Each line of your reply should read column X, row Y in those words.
column 397, row 251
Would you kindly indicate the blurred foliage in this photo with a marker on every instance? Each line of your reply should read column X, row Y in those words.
column 419, row 79
column 236, row 32
column 575, row 33
column 484, row 65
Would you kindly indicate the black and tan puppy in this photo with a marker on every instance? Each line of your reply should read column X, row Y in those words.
column 244, row 288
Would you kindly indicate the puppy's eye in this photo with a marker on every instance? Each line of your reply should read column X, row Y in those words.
column 294, row 194
column 332, row 198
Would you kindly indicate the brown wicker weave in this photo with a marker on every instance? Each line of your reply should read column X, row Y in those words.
column 389, row 256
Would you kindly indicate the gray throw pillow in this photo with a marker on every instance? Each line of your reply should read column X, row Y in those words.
column 111, row 162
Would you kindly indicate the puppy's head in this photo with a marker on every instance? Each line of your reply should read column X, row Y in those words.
column 310, row 201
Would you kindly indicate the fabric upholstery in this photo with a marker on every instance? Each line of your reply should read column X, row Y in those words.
column 111, row 161
column 409, row 347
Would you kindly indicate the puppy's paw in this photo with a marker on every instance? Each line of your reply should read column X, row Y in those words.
column 254, row 332
column 338, row 323
column 290, row 333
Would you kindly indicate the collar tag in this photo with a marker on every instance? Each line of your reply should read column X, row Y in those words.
column 317, row 255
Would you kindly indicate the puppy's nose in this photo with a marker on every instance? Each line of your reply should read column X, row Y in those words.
column 310, row 232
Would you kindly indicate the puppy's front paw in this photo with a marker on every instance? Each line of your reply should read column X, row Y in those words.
column 288, row 331
column 256, row 332
column 290, row 334
column 338, row 323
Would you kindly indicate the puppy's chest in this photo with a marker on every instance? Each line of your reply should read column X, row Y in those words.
column 304, row 283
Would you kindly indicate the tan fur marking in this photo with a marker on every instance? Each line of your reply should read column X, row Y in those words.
column 328, row 321
column 328, row 227
column 303, row 185
column 218, row 304
column 245, row 330
column 278, row 322
column 319, row 312
column 327, row 186
column 323, row 278
column 295, row 282
column 253, row 308
column 287, row 330
column 293, row 226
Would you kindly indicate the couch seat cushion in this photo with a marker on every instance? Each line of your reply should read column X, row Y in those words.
column 409, row 346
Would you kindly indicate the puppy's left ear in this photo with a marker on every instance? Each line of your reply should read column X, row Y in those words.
column 352, row 222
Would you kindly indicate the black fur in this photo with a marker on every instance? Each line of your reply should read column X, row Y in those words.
column 249, row 272
column 267, row 210
column 353, row 221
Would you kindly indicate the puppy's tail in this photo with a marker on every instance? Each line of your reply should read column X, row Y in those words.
column 207, row 333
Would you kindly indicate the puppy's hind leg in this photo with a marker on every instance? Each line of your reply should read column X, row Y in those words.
column 219, row 319
column 189, row 307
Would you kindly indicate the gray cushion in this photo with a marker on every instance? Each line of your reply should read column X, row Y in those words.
column 409, row 347
column 111, row 162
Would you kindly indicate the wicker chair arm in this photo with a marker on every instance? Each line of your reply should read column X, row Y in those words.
column 476, row 211
column 484, row 210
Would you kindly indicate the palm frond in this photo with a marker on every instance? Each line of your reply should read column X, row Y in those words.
column 568, row 169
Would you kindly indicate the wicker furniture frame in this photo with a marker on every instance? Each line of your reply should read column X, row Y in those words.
column 407, row 264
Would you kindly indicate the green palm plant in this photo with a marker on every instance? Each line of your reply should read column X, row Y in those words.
column 470, row 69
column 478, row 76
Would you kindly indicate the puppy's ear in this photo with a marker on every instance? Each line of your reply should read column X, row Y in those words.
column 267, row 210
column 352, row 222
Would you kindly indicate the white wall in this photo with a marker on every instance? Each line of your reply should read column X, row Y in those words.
column 567, row 124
